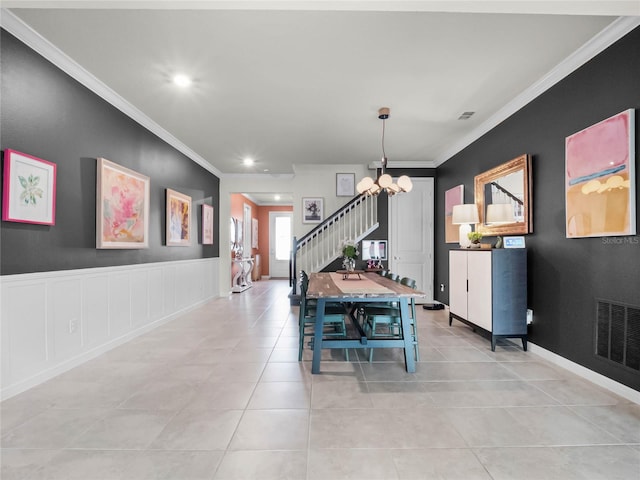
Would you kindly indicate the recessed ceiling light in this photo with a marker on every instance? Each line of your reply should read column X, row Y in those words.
column 181, row 80
column 248, row 161
column 277, row 197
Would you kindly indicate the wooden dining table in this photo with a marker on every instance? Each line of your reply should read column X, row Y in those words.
column 353, row 291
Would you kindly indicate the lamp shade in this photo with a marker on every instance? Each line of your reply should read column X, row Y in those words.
column 405, row 183
column 465, row 214
column 385, row 180
column 500, row 213
column 365, row 184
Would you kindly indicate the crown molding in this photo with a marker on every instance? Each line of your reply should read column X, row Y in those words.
column 260, row 176
column 41, row 45
column 304, row 168
column 403, row 164
column 543, row 7
column 608, row 36
column 409, row 164
column 272, row 203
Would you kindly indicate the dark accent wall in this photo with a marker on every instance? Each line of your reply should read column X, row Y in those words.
column 565, row 276
column 48, row 114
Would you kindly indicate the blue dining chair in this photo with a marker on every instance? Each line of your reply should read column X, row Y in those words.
column 392, row 276
column 334, row 324
column 385, row 320
column 362, row 311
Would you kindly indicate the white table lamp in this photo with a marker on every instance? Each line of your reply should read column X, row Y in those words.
column 500, row 213
column 464, row 215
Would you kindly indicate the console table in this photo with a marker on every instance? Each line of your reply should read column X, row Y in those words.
column 242, row 279
column 488, row 289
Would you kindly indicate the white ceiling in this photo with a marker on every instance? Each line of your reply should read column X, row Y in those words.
column 292, row 83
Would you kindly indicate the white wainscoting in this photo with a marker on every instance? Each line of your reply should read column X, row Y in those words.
column 54, row 321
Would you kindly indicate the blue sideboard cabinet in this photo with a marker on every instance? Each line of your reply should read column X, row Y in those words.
column 488, row 289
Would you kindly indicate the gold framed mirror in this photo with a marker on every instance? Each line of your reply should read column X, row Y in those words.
column 509, row 183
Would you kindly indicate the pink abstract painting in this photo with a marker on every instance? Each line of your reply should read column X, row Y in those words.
column 600, row 178
column 123, row 202
column 453, row 196
column 178, row 219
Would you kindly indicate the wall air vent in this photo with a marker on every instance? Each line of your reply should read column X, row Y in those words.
column 617, row 333
column 465, row 115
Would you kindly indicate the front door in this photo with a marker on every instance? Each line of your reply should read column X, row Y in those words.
column 411, row 235
column 279, row 244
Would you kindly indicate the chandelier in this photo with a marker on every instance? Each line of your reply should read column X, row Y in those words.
column 369, row 186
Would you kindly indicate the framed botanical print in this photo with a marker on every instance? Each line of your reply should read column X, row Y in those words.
column 29, row 190
column 178, row 219
column 312, row 210
column 122, row 207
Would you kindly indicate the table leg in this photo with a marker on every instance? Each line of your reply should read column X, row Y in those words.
column 409, row 358
column 236, row 278
column 317, row 336
column 243, row 276
column 247, row 275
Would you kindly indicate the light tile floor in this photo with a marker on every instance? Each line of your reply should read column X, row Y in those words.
column 219, row 394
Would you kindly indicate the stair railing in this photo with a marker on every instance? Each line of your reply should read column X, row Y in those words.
column 322, row 245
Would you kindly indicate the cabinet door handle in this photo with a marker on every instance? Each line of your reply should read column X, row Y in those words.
column 467, row 285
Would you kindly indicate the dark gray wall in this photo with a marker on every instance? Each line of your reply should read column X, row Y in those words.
column 565, row 276
column 46, row 113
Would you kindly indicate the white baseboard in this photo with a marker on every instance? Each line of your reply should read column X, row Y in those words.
column 594, row 377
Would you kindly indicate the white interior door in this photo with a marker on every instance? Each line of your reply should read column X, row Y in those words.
column 279, row 243
column 411, row 235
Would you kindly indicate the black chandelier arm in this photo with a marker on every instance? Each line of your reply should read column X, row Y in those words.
column 369, row 186
column 384, row 155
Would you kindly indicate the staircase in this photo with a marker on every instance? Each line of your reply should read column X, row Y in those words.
column 322, row 245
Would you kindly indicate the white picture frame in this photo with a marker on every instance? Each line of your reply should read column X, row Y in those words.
column 345, row 184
